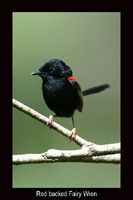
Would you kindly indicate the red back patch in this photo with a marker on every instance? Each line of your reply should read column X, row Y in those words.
column 70, row 78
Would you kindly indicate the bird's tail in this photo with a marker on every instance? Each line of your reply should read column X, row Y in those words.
column 95, row 89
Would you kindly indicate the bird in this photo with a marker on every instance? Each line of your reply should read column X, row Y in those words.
column 61, row 92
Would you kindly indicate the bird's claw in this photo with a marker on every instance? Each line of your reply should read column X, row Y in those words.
column 50, row 121
column 73, row 134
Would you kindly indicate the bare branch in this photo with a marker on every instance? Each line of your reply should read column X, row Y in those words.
column 115, row 148
column 53, row 155
column 60, row 129
column 90, row 152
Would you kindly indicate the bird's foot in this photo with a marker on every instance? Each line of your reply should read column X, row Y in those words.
column 50, row 121
column 73, row 134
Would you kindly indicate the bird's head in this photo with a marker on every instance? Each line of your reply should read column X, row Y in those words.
column 54, row 68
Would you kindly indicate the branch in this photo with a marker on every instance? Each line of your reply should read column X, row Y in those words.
column 90, row 152
column 53, row 155
column 60, row 129
column 86, row 154
column 115, row 148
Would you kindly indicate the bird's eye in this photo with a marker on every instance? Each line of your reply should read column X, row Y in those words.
column 49, row 69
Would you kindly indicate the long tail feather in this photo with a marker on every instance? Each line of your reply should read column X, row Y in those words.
column 95, row 89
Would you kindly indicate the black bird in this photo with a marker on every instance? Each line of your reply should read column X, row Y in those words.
column 61, row 91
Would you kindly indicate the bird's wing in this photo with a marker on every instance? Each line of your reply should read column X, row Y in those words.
column 77, row 88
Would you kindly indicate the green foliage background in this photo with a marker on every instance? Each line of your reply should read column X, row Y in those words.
column 89, row 43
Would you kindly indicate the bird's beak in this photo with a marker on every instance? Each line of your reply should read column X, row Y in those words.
column 36, row 73
column 39, row 73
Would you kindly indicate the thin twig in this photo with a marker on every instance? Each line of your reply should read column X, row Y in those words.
column 60, row 129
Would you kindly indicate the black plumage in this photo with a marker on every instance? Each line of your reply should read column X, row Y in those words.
column 61, row 91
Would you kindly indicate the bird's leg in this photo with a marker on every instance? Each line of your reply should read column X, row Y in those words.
column 50, row 120
column 73, row 131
